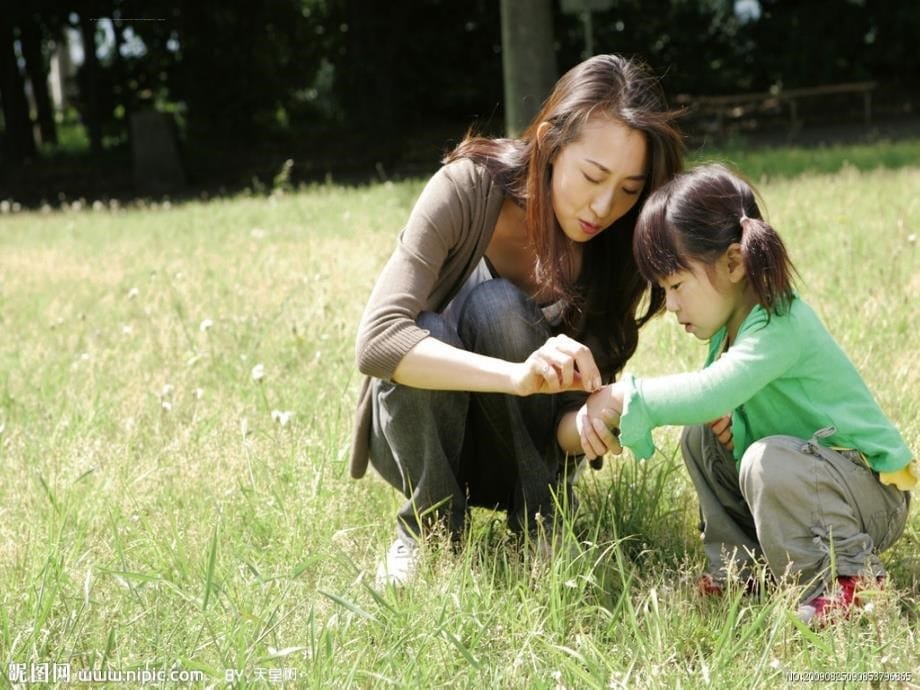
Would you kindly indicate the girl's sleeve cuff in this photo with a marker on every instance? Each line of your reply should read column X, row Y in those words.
column 904, row 479
column 635, row 423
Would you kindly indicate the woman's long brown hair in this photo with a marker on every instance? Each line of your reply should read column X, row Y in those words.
column 603, row 301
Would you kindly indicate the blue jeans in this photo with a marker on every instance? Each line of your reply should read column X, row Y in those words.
column 449, row 450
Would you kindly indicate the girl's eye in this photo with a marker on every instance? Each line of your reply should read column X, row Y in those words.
column 590, row 179
column 676, row 285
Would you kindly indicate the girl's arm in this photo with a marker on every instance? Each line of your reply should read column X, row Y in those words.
column 762, row 355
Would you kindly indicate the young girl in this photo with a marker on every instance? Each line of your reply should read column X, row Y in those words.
column 514, row 272
column 818, row 474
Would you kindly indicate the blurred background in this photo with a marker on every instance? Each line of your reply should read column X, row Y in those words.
column 122, row 98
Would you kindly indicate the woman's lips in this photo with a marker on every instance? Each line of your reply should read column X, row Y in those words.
column 588, row 228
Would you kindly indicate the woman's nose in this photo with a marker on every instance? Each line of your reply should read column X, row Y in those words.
column 602, row 204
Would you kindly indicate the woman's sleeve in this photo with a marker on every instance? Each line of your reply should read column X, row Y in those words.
column 698, row 397
column 436, row 225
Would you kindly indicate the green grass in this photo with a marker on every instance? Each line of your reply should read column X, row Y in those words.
column 153, row 513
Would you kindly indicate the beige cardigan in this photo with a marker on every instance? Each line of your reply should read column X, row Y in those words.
column 446, row 235
column 444, row 239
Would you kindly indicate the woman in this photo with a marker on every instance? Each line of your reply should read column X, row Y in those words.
column 513, row 276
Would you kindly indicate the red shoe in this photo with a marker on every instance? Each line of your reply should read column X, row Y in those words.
column 708, row 586
column 838, row 602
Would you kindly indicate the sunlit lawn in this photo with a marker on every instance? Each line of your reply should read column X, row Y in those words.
column 176, row 397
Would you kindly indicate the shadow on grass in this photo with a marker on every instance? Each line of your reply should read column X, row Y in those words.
column 358, row 159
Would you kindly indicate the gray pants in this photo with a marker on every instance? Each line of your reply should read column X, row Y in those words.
column 805, row 508
column 448, row 450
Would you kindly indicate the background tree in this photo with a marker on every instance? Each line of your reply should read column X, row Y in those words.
column 343, row 85
column 18, row 141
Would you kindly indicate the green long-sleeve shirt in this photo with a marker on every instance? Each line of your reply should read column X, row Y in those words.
column 782, row 376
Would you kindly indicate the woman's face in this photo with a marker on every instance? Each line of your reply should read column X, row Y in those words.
column 598, row 177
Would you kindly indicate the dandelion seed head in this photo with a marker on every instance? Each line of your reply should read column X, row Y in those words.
column 167, row 390
column 199, row 393
column 133, row 293
column 258, row 372
column 912, row 238
column 166, row 405
column 205, row 325
column 282, row 417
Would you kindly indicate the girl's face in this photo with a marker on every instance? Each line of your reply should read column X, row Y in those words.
column 598, row 177
column 706, row 298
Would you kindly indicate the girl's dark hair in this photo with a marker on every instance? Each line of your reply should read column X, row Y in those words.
column 697, row 216
column 602, row 303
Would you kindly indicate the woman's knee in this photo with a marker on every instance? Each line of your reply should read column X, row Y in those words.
column 439, row 328
column 498, row 319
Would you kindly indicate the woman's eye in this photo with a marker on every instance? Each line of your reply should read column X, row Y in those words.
column 632, row 192
column 590, row 179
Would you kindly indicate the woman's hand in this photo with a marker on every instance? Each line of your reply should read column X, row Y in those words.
column 722, row 428
column 561, row 364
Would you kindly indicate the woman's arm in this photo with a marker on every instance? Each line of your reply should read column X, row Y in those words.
column 560, row 364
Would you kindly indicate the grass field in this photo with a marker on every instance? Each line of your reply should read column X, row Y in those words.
column 176, row 396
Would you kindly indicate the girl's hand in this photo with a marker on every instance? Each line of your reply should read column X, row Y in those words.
column 597, row 420
column 722, row 428
column 597, row 438
column 561, row 364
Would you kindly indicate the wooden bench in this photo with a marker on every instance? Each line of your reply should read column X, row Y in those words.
column 735, row 105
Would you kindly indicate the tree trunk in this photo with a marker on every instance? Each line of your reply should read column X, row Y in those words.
column 528, row 59
column 89, row 84
column 121, row 75
column 37, row 69
column 19, row 140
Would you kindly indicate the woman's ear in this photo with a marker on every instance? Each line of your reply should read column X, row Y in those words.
column 734, row 262
column 542, row 131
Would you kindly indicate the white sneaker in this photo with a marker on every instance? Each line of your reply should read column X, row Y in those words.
column 400, row 566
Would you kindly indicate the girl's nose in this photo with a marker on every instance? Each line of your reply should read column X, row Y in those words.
column 670, row 301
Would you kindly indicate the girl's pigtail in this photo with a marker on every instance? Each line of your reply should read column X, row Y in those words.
column 766, row 264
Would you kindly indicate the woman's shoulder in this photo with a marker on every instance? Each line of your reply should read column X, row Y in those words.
column 465, row 188
column 466, row 174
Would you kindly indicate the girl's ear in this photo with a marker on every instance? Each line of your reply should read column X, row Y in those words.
column 734, row 262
